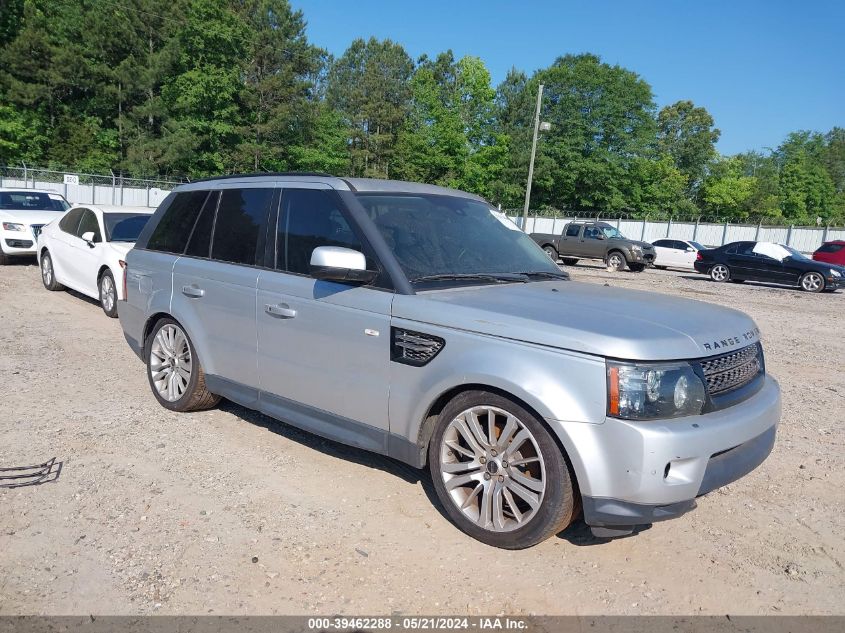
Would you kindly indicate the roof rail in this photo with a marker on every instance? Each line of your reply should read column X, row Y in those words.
column 266, row 173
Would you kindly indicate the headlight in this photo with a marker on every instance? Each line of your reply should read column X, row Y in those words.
column 11, row 226
column 652, row 391
column 835, row 273
column 636, row 248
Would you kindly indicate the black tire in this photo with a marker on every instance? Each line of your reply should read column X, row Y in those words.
column 48, row 275
column 812, row 282
column 4, row 259
column 616, row 261
column 558, row 506
column 570, row 261
column 636, row 268
column 551, row 251
column 106, row 285
column 719, row 273
column 196, row 396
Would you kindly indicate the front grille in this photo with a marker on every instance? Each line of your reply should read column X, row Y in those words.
column 733, row 370
column 414, row 348
column 36, row 230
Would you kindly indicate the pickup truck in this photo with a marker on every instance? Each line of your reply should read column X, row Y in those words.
column 596, row 240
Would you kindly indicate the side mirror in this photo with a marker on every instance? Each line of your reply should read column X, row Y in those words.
column 335, row 263
column 88, row 236
column 600, row 236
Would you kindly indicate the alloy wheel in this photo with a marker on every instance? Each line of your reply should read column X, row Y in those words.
column 170, row 362
column 719, row 272
column 616, row 261
column 107, row 293
column 812, row 282
column 46, row 270
column 492, row 468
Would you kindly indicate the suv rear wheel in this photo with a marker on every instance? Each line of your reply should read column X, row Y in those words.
column 174, row 371
column 499, row 473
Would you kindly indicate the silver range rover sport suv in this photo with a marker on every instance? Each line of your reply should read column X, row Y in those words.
column 420, row 323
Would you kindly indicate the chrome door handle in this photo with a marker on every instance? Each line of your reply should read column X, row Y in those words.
column 282, row 310
column 192, row 291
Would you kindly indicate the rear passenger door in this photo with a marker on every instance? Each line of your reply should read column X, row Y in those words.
column 214, row 285
column 323, row 347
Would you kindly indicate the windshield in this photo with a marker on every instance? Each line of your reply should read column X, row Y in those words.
column 794, row 253
column 32, row 201
column 612, row 233
column 124, row 227
column 449, row 235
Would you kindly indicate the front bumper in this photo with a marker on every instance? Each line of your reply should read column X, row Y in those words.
column 18, row 242
column 631, row 473
column 642, row 257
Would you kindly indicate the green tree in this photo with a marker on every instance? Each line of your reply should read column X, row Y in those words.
column 726, row 189
column 806, row 191
column 687, row 134
column 369, row 85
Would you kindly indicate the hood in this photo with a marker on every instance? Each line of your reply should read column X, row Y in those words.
column 610, row 322
column 30, row 217
column 644, row 245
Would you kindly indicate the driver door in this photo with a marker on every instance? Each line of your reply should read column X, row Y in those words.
column 591, row 243
column 323, row 347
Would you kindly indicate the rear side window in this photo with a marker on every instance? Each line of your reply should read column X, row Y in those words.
column 663, row 243
column 830, row 248
column 172, row 232
column 573, row 230
column 310, row 218
column 199, row 244
column 89, row 224
column 70, row 222
column 241, row 225
column 681, row 246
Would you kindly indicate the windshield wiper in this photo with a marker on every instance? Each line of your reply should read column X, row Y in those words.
column 546, row 273
column 499, row 278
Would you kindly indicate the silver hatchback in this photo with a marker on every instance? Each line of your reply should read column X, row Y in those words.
column 418, row 322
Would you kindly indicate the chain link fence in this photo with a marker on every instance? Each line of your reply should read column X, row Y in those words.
column 78, row 188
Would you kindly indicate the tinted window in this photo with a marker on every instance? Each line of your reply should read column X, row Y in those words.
column 573, row 230
column 70, row 221
column 200, row 242
column 830, row 248
column 124, row 227
column 89, row 224
column 681, row 246
column 663, row 243
column 310, row 218
column 592, row 233
column 32, row 201
column 241, row 222
column 172, row 232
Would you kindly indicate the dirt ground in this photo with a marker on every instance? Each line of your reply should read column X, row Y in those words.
column 231, row 512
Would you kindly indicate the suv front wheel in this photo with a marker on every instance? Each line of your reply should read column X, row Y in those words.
column 174, row 371
column 499, row 473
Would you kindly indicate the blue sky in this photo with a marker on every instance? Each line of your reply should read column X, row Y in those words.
column 762, row 68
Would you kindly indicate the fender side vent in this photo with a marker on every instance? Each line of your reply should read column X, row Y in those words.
column 413, row 348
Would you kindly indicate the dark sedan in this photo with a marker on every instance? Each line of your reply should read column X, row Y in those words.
column 767, row 261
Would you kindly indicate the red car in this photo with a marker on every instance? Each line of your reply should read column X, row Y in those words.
column 831, row 253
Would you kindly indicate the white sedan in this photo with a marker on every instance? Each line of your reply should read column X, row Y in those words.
column 23, row 213
column 675, row 253
column 86, row 248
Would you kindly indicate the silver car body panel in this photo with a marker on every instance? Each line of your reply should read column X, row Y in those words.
column 317, row 354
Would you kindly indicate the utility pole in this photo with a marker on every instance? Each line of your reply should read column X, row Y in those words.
column 531, row 163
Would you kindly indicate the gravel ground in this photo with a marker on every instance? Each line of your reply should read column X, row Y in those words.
column 228, row 511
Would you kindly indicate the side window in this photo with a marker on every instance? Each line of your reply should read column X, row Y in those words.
column 70, row 222
column 310, row 218
column 173, row 230
column 830, row 248
column 681, row 246
column 572, row 230
column 746, row 248
column 241, row 225
column 662, row 243
column 89, row 224
column 199, row 244
column 591, row 233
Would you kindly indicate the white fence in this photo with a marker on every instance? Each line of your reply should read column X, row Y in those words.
column 89, row 188
column 802, row 238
